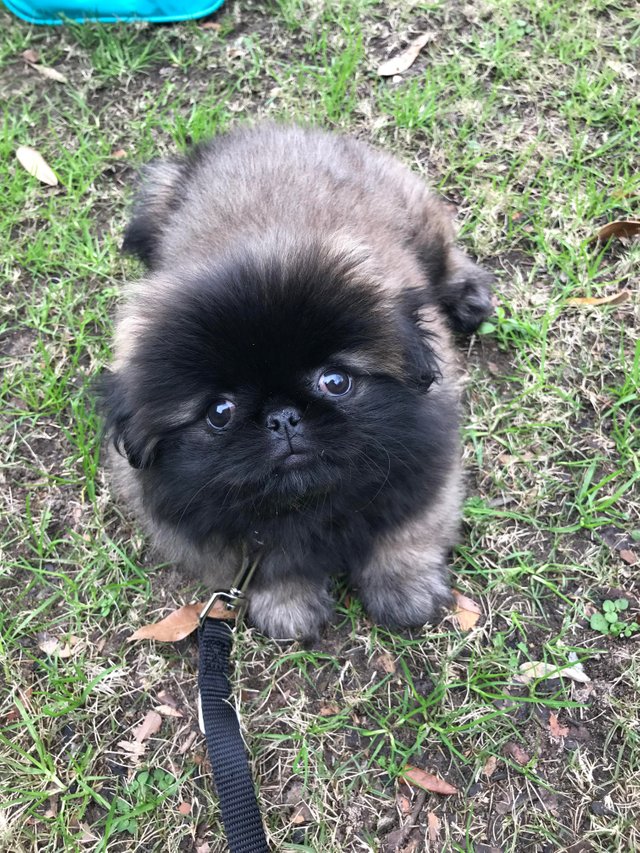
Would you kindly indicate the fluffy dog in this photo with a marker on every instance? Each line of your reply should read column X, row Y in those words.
column 284, row 382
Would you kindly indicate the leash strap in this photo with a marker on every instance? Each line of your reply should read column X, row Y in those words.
column 229, row 762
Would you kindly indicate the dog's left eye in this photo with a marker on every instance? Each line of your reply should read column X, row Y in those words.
column 337, row 383
column 220, row 413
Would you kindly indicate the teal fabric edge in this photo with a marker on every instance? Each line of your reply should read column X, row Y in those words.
column 156, row 19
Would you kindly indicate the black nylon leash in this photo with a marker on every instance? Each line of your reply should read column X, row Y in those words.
column 229, row 763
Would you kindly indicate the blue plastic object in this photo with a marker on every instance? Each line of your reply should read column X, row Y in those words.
column 111, row 11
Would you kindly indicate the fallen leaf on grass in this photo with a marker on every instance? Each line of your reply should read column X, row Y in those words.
column 36, row 165
column 149, row 726
column 179, row 624
column 211, row 25
column 52, row 809
column 385, row 662
column 52, row 646
column 31, row 57
column 539, row 669
column 49, row 646
column 612, row 299
column 624, row 228
column 555, row 728
column 630, row 557
column 184, row 808
column 167, row 711
column 517, row 753
column 301, row 814
column 87, row 836
column 49, row 73
column 404, row 60
column 329, row 709
column 119, row 154
column 467, row 612
column 403, row 805
column 427, row 781
column 187, row 744
column 489, row 766
column 165, row 698
column 433, row 823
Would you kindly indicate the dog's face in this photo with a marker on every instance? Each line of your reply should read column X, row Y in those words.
column 277, row 384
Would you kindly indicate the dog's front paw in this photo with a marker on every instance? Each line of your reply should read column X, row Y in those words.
column 407, row 602
column 290, row 611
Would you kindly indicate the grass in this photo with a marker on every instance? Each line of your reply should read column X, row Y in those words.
column 524, row 115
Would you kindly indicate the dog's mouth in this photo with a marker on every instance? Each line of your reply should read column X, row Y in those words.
column 300, row 474
column 294, row 460
column 293, row 454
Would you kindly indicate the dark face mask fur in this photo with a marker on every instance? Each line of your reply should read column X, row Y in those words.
column 284, row 382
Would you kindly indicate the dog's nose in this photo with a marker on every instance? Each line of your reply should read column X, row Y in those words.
column 284, row 421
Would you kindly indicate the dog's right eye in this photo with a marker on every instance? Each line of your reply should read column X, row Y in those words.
column 220, row 413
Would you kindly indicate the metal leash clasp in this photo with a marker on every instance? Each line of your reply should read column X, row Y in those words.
column 234, row 598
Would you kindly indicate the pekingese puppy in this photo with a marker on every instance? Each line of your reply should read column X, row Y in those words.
column 284, row 382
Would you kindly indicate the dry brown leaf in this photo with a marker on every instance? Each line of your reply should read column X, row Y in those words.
column 52, row 646
column 119, row 154
column 49, row 645
column 149, row 726
column 517, row 753
column 630, row 557
column 555, row 728
column 404, row 60
column 52, row 808
column 36, row 165
column 329, row 709
column 211, row 25
column 624, row 228
column 403, row 804
column 67, row 650
column 184, row 808
column 427, row 781
column 87, row 836
column 31, row 56
column 467, row 612
column 50, row 73
column 489, row 766
column 385, row 662
column 167, row 711
column 179, row 624
column 301, row 814
column 135, row 749
column 433, row 823
column 188, row 743
column 612, row 299
column 165, row 698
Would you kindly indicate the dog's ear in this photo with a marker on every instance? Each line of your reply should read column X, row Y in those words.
column 124, row 427
column 422, row 368
column 157, row 194
column 465, row 293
